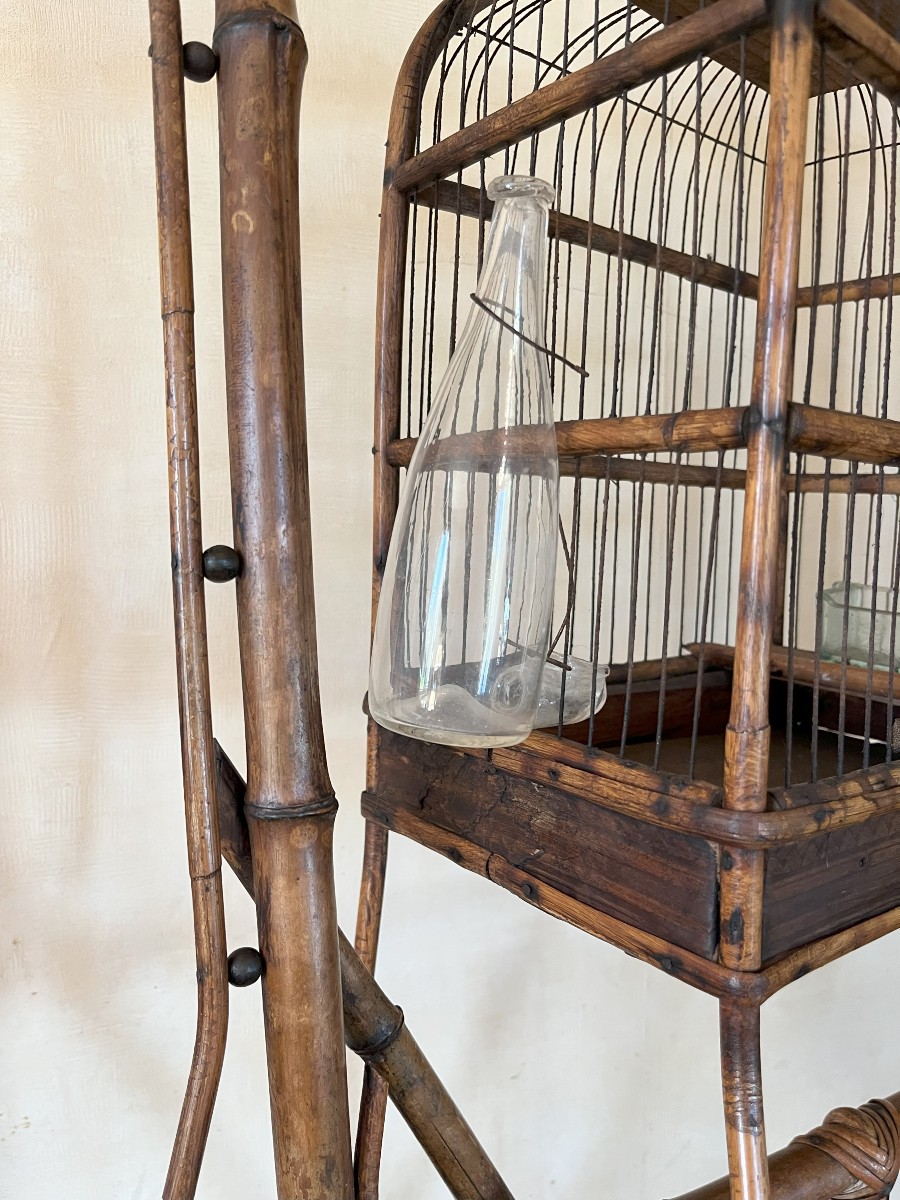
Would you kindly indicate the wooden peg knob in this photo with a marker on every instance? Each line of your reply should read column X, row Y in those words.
column 245, row 966
column 221, row 564
column 199, row 62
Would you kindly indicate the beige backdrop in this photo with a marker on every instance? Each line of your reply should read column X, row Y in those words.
column 585, row 1073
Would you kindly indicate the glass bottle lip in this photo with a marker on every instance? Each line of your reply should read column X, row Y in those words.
column 506, row 187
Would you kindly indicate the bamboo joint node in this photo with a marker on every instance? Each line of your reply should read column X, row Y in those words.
column 324, row 807
column 376, row 1048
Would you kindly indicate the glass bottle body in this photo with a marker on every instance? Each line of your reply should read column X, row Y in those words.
column 463, row 622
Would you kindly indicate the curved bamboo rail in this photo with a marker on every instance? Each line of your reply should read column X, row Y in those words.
column 198, row 757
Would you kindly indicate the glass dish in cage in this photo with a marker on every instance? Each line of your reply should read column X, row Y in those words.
column 871, row 625
column 577, row 684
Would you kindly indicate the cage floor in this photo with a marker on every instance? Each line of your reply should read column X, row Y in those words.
column 675, row 756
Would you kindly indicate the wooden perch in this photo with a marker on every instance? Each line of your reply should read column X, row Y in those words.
column 801, row 664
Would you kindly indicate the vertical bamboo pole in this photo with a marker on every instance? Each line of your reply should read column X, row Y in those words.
column 404, row 120
column 290, row 804
column 759, row 601
column 747, row 735
column 373, row 1101
column 745, row 1131
column 197, row 747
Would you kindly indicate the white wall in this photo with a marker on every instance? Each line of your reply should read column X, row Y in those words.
column 582, row 1070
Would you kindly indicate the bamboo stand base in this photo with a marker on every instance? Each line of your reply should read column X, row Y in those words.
column 319, row 993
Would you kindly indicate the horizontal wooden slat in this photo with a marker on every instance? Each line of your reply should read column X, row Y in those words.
column 472, row 202
column 674, row 803
column 705, row 429
column 651, row 668
column 869, row 484
column 879, row 287
column 639, row 63
column 831, row 434
column 631, row 470
column 802, row 663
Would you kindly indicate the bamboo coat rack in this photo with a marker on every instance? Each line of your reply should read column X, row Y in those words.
column 722, row 257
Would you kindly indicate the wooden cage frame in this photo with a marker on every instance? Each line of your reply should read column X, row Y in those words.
column 741, row 904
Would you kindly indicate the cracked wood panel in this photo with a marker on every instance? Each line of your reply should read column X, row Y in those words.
column 657, row 880
column 829, row 883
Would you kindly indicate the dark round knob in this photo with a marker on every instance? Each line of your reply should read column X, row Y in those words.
column 199, row 62
column 221, row 563
column 245, row 966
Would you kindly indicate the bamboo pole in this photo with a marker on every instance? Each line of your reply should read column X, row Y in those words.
column 420, row 58
column 447, row 19
column 745, row 1131
column 374, row 1029
column 374, row 1097
column 198, row 761
column 747, row 735
column 583, row 446
column 832, row 434
column 879, row 287
column 290, row 801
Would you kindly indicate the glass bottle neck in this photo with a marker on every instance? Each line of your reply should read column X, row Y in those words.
column 511, row 283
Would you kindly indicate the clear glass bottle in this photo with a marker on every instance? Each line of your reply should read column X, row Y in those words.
column 463, row 623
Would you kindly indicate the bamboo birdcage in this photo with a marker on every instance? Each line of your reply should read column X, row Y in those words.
column 723, row 274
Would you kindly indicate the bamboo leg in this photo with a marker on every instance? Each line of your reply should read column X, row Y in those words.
column 748, row 1166
column 290, row 800
column 198, row 758
column 370, row 1134
column 373, row 1101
